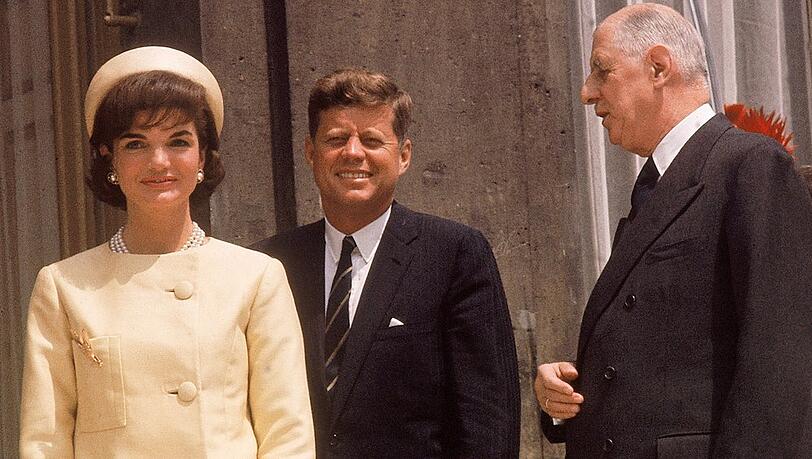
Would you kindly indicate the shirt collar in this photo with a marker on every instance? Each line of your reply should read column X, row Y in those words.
column 678, row 136
column 366, row 238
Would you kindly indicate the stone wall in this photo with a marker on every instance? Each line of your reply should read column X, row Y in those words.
column 493, row 140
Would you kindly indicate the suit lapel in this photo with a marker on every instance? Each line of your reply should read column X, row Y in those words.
column 621, row 225
column 312, row 295
column 391, row 261
column 677, row 189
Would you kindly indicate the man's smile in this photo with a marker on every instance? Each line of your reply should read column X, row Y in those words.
column 354, row 175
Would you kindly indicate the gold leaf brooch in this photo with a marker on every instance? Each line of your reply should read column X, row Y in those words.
column 82, row 339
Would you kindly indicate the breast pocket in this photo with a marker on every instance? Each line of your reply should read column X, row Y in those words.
column 671, row 250
column 408, row 360
column 678, row 446
column 100, row 389
column 408, row 329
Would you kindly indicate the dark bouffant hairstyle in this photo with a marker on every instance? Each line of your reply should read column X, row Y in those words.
column 355, row 86
column 164, row 96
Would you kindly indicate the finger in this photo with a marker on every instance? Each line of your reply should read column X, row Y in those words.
column 551, row 380
column 562, row 410
column 543, row 373
column 574, row 398
column 567, row 371
column 558, row 386
column 542, row 393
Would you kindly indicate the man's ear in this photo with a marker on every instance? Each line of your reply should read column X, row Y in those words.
column 309, row 150
column 405, row 156
column 661, row 65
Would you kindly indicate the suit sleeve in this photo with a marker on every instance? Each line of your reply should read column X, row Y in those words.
column 481, row 357
column 768, row 229
column 553, row 433
column 48, row 403
column 277, row 394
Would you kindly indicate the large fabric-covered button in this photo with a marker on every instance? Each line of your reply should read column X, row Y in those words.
column 608, row 445
column 630, row 301
column 187, row 391
column 184, row 290
column 609, row 373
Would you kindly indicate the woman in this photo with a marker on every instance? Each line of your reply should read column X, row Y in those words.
column 162, row 342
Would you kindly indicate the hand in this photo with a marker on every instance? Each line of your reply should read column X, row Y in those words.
column 554, row 393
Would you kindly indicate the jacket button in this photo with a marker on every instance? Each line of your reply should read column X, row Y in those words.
column 630, row 301
column 608, row 445
column 334, row 440
column 187, row 391
column 609, row 373
column 184, row 290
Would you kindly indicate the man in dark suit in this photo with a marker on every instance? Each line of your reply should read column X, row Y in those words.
column 407, row 332
column 697, row 338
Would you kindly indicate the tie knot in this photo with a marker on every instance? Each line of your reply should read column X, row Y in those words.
column 347, row 246
column 649, row 174
column 644, row 186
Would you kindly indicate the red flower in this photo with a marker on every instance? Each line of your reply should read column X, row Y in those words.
column 752, row 120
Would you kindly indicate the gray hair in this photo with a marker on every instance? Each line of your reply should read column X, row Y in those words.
column 646, row 25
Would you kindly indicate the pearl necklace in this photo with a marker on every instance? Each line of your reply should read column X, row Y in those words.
column 196, row 239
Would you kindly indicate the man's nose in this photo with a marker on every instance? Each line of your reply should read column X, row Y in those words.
column 354, row 148
column 589, row 95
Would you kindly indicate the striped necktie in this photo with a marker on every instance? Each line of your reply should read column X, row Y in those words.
column 338, row 314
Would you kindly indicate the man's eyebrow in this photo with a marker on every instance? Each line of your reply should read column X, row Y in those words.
column 181, row 133
column 336, row 132
column 132, row 135
column 372, row 129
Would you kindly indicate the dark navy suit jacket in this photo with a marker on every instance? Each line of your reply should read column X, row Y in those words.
column 445, row 384
column 697, row 338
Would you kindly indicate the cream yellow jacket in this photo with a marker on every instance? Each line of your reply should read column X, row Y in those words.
column 190, row 354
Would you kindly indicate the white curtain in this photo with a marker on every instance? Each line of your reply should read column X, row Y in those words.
column 760, row 55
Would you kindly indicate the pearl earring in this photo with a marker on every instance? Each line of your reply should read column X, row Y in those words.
column 200, row 176
column 112, row 178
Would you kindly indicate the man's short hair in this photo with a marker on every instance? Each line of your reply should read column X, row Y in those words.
column 355, row 86
column 644, row 26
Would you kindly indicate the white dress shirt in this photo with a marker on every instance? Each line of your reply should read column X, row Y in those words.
column 367, row 240
column 678, row 136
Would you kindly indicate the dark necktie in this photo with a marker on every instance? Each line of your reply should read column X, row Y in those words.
column 338, row 314
column 644, row 186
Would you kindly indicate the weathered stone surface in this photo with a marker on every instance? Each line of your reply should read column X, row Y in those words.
column 493, row 141
column 234, row 48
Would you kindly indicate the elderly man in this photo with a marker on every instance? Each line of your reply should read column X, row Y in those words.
column 697, row 338
column 408, row 340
